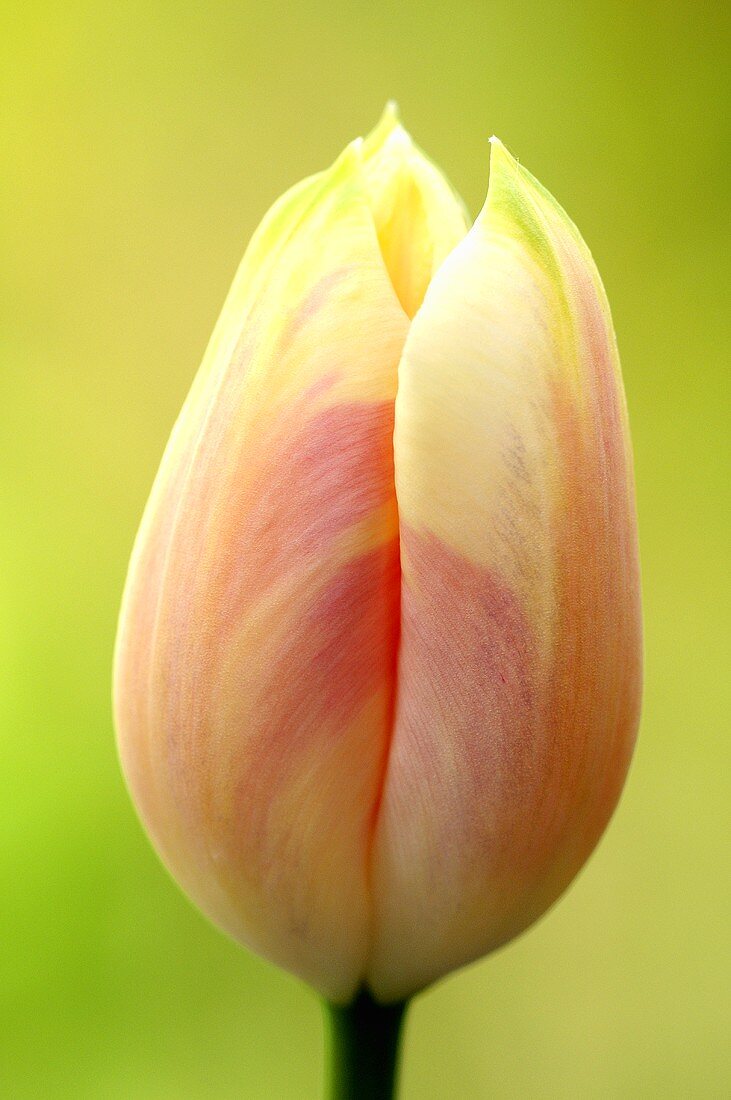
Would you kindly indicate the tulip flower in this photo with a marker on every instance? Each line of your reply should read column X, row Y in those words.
column 377, row 676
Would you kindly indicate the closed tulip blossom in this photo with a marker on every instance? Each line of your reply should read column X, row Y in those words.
column 378, row 668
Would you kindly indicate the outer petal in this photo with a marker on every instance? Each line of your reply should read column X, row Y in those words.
column 519, row 668
column 255, row 660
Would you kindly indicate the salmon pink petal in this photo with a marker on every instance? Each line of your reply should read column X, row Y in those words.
column 254, row 671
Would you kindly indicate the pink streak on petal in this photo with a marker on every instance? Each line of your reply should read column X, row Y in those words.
column 313, row 477
column 468, row 665
column 337, row 656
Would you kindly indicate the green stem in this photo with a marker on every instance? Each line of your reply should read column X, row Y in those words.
column 364, row 1049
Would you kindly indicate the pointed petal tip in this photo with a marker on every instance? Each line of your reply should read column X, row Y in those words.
column 391, row 113
column 500, row 157
column 504, row 172
column 388, row 129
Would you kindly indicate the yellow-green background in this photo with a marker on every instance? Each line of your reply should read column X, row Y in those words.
column 142, row 142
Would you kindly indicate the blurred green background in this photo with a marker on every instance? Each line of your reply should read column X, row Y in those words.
column 142, row 143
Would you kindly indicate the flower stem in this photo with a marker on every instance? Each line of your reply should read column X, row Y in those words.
column 364, row 1049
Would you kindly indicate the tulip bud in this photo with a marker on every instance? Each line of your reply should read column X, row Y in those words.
column 378, row 668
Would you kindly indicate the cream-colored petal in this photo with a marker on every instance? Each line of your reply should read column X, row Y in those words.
column 519, row 665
